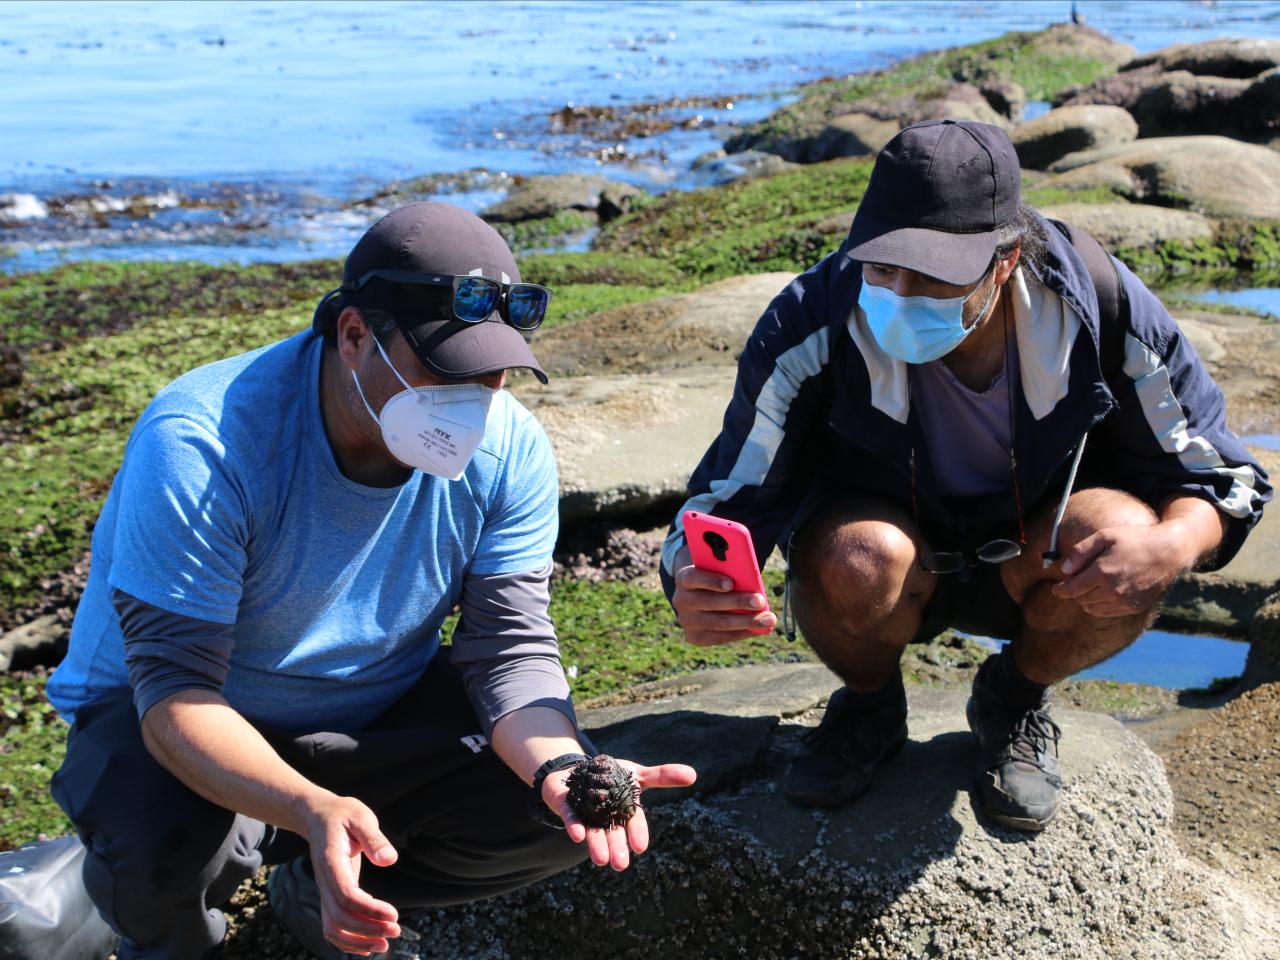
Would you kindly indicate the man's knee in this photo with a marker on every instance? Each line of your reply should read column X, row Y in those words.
column 151, row 841
column 855, row 563
column 1089, row 511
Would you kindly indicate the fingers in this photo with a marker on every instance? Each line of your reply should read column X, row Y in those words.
column 666, row 775
column 691, row 578
column 353, row 920
column 712, row 612
column 374, row 844
column 619, row 852
column 612, row 847
column 638, row 831
column 598, row 846
column 1085, row 551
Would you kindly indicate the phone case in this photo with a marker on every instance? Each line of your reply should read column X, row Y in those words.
column 723, row 546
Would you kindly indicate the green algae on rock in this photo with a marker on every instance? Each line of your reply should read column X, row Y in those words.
column 1042, row 63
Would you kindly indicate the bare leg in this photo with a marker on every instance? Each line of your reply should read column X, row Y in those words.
column 1058, row 638
column 858, row 591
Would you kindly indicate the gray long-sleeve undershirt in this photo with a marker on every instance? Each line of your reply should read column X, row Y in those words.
column 505, row 644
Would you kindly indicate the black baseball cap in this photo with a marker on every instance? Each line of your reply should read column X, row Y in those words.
column 938, row 193
column 437, row 238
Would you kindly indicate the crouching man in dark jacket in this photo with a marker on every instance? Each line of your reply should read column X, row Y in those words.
column 941, row 428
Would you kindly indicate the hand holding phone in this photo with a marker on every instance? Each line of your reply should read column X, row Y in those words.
column 724, row 547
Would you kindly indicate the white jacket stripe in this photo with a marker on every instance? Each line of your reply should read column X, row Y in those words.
column 806, row 359
column 1164, row 415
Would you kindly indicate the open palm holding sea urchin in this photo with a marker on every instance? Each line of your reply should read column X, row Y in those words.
column 602, row 792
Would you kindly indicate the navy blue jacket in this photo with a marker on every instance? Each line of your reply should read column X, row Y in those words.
column 818, row 406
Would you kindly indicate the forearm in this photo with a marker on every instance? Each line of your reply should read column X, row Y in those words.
column 527, row 738
column 199, row 738
column 1199, row 527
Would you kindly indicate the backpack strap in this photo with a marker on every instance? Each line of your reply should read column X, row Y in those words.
column 1113, row 304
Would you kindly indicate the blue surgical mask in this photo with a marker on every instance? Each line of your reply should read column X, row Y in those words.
column 916, row 329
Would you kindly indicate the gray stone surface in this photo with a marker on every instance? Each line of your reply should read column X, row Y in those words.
column 1180, row 102
column 43, row 640
column 626, row 438
column 1263, row 664
column 854, row 134
column 746, row 165
column 1211, row 175
column 1227, row 57
column 908, row 871
column 1006, row 98
column 540, row 197
column 1041, row 141
column 1133, row 225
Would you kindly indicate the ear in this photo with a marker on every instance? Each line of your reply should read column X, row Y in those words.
column 1004, row 268
column 353, row 336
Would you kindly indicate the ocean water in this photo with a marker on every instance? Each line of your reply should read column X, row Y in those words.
column 246, row 129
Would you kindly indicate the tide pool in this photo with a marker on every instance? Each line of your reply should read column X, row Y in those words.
column 1175, row 661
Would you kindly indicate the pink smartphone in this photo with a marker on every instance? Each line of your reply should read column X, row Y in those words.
column 723, row 546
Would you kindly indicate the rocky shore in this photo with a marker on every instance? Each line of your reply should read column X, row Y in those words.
column 1171, row 159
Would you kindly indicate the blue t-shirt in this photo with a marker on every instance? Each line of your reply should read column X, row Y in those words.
column 230, row 507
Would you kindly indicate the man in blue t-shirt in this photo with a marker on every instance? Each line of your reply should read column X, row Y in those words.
column 255, row 672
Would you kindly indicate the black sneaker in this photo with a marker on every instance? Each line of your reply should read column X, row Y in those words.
column 1019, row 779
column 845, row 748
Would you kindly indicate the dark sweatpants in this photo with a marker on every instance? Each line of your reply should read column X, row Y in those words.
column 162, row 859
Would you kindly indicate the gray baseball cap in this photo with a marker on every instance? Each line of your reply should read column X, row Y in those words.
column 939, row 192
column 446, row 241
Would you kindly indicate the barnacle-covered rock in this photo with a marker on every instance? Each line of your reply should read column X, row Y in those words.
column 602, row 792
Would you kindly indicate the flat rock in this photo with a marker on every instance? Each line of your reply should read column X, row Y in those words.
column 706, row 327
column 855, row 134
column 540, row 197
column 624, row 438
column 910, row 870
column 626, row 443
column 1179, row 102
column 1228, row 57
column 1006, row 98
column 1215, row 176
column 746, row 165
column 1133, row 225
column 43, row 640
column 1041, row 141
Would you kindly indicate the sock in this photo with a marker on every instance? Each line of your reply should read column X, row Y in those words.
column 1017, row 691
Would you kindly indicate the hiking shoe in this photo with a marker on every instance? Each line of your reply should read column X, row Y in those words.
column 841, row 753
column 1019, row 779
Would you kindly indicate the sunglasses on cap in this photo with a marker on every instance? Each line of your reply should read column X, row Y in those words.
column 523, row 305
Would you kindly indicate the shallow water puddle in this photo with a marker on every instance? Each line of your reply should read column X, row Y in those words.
column 1175, row 661
column 1267, row 441
column 1266, row 299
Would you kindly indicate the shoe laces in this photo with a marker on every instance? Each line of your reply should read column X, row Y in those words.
column 1030, row 736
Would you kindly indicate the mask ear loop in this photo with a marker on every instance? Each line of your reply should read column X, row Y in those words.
column 387, row 361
